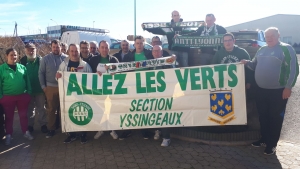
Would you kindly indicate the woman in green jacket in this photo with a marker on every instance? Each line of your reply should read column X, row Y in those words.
column 14, row 92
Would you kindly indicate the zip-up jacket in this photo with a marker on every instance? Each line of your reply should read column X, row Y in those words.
column 275, row 67
column 33, row 73
column 14, row 82
column 94, row 61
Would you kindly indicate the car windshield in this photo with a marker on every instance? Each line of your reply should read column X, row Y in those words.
column 245, row 36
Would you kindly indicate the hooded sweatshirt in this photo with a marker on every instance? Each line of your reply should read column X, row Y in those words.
column 48, row 68
column 82, row 67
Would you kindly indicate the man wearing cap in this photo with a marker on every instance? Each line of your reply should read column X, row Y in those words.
column 37, row 104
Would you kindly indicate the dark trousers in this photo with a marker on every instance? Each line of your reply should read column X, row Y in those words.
column 271, row 109
column 81, row 134
column 165, row 132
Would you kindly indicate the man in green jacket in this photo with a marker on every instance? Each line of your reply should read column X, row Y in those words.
column 37, row 104
column 233, row 54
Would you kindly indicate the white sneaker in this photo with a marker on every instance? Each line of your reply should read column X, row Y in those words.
column 156, row 135
column 98, row 134
column 28, row 135
column 166, row 142
column 114, row 135
column 7, row 139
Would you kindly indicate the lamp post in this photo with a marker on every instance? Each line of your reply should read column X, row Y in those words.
column 134, row 18
column 55, row 22
column 93, row 23
column 4, row 31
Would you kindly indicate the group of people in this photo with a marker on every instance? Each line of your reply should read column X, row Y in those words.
column 31, row 85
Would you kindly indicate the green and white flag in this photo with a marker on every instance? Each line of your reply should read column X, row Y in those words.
column 193, row 96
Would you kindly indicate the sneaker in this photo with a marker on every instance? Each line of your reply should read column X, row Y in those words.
column 125, row 134
column 98, row 134
column 156, row 135
column 166, row 142
column 50, row 133
column 7, row 139
column 270, row 150
column 114, row 135
column 70, row 139
column 258, row 144
column 83, row 140
column 28, row 135
column 30, row 129
column 44, row 129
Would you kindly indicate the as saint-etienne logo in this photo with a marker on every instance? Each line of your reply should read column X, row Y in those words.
column 80, row 113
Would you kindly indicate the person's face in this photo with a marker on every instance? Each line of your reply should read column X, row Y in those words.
column 63, row 49
column 84, row 50
column 210, row 20
column 93, row 48
column 124, row 47
column 272, row 38
column 155, row 41
column 104, row 49
column 139, row 44
column 30, row 52
column 73, row 53
column 12, row 57
column 156, row 52
column 56, row 49
column 228, row 43
column 175, row 16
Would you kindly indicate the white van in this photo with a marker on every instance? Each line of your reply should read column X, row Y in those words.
column 77, row 36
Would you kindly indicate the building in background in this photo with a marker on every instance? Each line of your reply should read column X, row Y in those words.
column 55, row 32
column 288, row 26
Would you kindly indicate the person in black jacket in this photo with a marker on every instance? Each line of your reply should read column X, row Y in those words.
column 85, row 53
column 103, row 58
column 124, row 50
column 180, row 52
column 138, row 54
column 210, row 29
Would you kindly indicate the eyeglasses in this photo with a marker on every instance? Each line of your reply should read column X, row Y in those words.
column 93, row 47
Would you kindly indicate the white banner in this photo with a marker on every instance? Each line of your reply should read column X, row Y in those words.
column 193, row 96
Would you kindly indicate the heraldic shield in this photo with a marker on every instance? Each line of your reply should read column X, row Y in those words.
column 221, row 106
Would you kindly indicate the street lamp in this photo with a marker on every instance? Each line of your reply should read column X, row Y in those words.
column 54, row 21
column 4, row 31
column 134, row 18
column 93, row 23
column 56, row 24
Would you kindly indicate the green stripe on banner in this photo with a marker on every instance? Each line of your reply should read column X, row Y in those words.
column 198, row 41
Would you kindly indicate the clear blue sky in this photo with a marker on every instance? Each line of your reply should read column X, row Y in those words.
column 118, row 15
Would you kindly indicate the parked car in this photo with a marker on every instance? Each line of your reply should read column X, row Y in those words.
column 251, row 41
column 116, row 47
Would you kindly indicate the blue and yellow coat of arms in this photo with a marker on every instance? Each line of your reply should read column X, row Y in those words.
column 221, row 106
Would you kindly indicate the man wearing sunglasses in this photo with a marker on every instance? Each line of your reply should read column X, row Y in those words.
column 124, row 50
